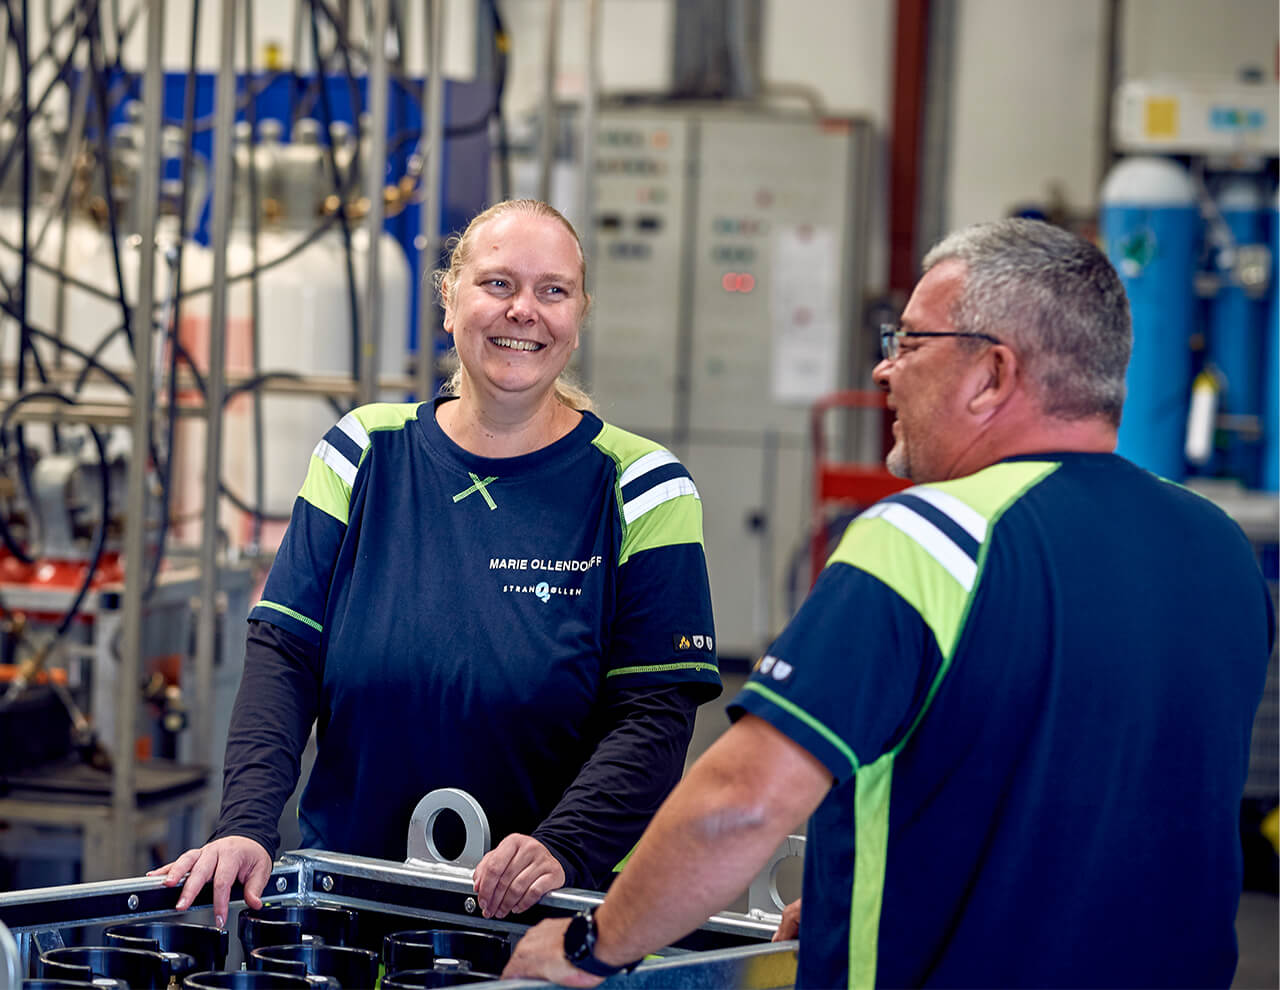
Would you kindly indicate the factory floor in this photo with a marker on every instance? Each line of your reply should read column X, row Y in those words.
column 1257, row 921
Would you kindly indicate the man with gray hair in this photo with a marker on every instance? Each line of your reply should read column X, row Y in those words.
column 1017, row 702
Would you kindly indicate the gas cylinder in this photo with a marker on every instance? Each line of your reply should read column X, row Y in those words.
column 394, row 278
column 1236, row 317
column 1150, row 228
column 87, row 312
column 1269, row 475
column 236, row 465
column 303, row 323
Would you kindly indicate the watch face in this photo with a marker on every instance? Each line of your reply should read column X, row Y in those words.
column 578, row 938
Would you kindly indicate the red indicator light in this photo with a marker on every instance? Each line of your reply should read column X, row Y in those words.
column 730, row 282
column 738, row 282
column 746, row 282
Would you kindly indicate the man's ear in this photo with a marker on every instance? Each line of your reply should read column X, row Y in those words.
column 998, row 380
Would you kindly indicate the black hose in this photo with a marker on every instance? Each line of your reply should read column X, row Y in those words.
column 28, row 111
column 95, row 66
column 100, row 537
column 332, row 159
column 42, row 393
column 164, row 468
column 90, row 361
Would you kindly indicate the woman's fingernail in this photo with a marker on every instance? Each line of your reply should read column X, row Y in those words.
column 218, row 920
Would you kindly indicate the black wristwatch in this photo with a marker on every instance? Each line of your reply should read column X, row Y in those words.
column 580, row 946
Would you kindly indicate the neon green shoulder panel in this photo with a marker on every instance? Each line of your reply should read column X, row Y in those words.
column 331, row 474
column 914, row 560
column 386, row 415
column 666, row 514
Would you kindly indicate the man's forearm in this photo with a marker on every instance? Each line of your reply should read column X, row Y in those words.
column 710, row 839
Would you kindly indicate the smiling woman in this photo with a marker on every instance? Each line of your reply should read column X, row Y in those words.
column 492, row 590
column 515, row 284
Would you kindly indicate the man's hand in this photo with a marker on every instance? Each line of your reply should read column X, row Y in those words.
column 225, row 861
column 789, row 926
column 515, row 875
column 540, row 955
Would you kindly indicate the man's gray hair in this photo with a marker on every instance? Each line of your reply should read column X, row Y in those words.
column 1056, row 300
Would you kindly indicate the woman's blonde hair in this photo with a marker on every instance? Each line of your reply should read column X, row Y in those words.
column 567, row 392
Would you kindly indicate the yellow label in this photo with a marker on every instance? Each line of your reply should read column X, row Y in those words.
column 1162, row 117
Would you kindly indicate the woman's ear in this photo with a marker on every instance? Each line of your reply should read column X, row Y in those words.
column 446, row 303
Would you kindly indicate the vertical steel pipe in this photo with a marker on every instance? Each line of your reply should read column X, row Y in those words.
column 123, row 790
column 374, row 170
column 433, row 193
column 223, row 168
column 587, row 190
column 547, row 146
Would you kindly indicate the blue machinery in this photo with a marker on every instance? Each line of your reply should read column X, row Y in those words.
column 1190, row 222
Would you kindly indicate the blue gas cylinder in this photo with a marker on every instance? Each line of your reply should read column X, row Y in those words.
column 1269, row 478
column 1151, row 231
column 1234, row 332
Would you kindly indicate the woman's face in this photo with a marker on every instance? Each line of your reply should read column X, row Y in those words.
column 516, row 307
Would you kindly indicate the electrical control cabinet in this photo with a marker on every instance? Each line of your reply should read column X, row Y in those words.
column 728, row 278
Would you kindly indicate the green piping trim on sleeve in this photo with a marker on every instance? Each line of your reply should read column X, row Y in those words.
column 792, row 708
column 872, row 787
column 674, row 522
column 659, row 667
column 292, row 614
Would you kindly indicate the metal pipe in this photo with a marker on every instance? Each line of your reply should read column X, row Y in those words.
column 215, row 390
column 1113, row 13
column 547, row 146
column 123, row 800
column 284, row 383
column 587, row 189
column 934, row 150
column 433, row 190
column 375, row 166
column 911, row 36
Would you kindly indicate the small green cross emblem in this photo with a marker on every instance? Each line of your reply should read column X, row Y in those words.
column 479, row 486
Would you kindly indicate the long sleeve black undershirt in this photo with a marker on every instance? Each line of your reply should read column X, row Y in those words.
column 639, row 758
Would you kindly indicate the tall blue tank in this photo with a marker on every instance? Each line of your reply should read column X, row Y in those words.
column 1269, row 478
column 1235, row 329
column 1150, row 228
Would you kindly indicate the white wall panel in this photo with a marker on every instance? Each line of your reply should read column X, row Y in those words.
column 1025, row 105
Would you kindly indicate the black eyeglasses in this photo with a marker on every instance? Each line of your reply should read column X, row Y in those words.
column 892, row 333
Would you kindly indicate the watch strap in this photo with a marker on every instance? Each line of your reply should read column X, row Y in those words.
column 583, row 954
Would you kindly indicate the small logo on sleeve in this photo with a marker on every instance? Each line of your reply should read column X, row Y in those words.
column 692, row 641
column 771, row 666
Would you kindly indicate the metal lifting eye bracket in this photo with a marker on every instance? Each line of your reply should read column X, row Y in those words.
column 421, row 845
column 763, row 899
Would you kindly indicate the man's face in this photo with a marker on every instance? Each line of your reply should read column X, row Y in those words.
column 926, row 382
